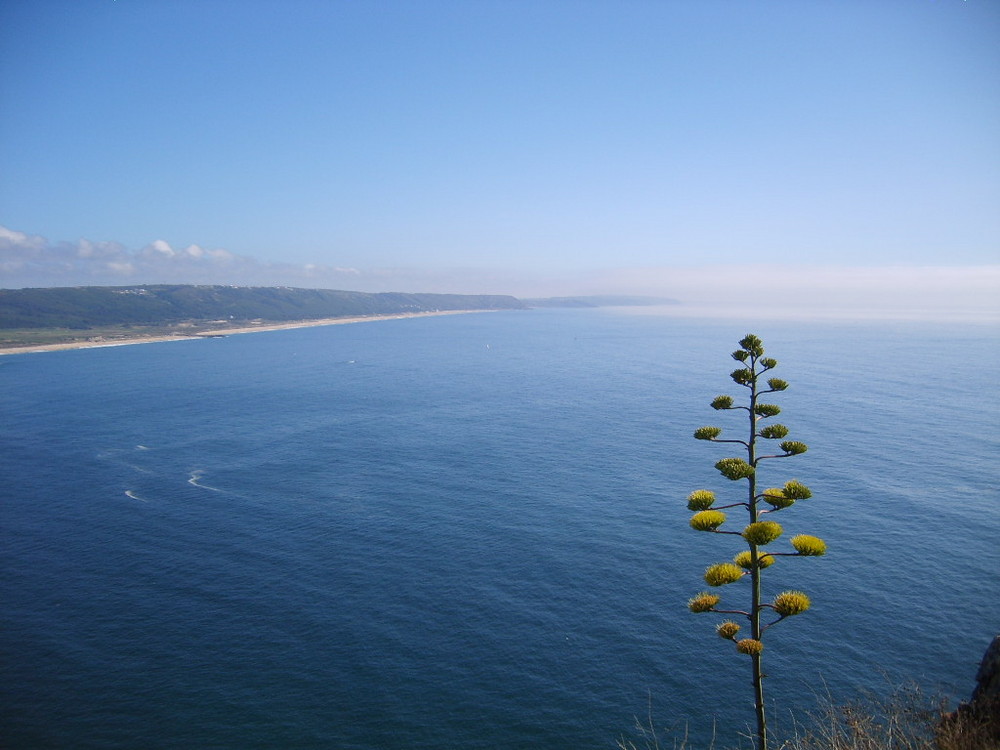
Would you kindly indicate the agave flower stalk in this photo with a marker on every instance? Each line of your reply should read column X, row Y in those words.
column 750, row 563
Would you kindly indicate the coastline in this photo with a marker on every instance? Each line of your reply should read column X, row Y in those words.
column 222, row 332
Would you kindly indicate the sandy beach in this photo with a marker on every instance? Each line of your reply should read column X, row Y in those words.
column 218, row 332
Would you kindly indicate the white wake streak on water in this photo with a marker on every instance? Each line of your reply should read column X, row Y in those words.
column 195, row 476
column 134, row 496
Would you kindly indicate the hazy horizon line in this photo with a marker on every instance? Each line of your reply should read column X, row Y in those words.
column 32, row 261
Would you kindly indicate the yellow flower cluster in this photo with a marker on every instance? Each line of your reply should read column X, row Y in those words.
column 743, row 560
column 810, row 546
column 723, row 573
column 749, row 646
column 701, row 500
column 727, row 629
column 703, row 602
column 790, row 603
column 762, row 532
column 708, row 520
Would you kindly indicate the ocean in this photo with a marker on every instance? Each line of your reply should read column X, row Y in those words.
column 470, row 531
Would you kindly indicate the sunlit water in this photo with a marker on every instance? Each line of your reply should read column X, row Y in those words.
column 470, row 531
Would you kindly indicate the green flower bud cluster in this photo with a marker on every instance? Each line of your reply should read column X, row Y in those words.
column 722, row 402
column 701, row 500
column 734, row 468
column 743, row 376
column 767, row 410
column 777, row 384
column 774, row 432
column 793, row 447
column 707, row 433
column 752, row 344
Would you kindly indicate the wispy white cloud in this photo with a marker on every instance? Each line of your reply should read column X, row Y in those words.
column 20, row 239
column 34, row 261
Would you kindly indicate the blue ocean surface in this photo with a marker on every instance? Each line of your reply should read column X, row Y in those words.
column 470, row 531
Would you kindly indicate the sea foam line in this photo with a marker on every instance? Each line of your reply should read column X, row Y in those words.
column 197, row 475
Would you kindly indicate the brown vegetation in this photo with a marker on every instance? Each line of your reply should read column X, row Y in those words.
column 908, row 719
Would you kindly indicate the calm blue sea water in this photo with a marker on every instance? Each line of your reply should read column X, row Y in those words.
column 470, row 531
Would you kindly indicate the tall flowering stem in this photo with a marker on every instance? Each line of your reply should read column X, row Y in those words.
column 753, row 559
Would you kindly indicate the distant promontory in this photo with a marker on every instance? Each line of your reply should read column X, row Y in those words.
column 89, row 306
column 95, row 313
column 88, row 315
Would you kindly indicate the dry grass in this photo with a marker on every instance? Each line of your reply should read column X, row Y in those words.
column 647, row 737
column 903, row 721
column 907, row 719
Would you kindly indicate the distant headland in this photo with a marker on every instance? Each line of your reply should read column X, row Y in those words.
column 45, row 319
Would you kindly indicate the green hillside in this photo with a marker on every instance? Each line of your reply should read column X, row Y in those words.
column 82, row 308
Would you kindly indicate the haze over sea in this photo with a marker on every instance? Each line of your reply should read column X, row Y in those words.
column 470, row 531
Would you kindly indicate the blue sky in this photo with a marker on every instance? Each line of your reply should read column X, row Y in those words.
column 504, row 146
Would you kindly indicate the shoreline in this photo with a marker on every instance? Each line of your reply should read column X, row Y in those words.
column 223, row 332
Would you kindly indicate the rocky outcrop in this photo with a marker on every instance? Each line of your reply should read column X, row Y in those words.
column 988, row 676
column 976, row 725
